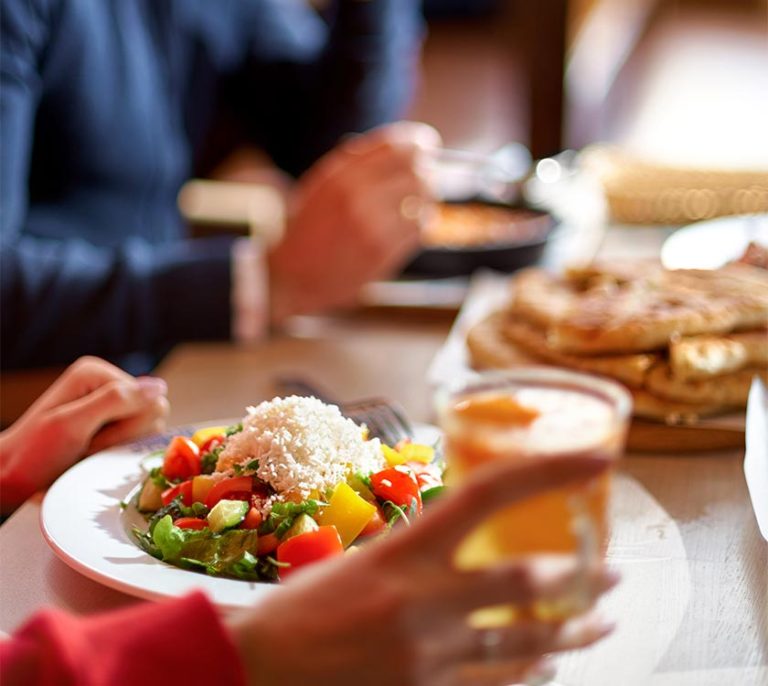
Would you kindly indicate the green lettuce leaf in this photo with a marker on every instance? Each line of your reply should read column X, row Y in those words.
column 168, row 538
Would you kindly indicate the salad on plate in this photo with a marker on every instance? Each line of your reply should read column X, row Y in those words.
column 293, row 483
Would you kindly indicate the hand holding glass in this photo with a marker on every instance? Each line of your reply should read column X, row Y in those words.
column 526, row 414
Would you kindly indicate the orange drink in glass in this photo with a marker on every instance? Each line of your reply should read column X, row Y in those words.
column 524, row 414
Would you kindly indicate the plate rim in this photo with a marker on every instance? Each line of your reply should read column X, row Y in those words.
column 668, row 252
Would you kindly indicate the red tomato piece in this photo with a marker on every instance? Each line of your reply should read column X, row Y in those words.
column 184, row 489
column 398, row 486
column 267, row 544
column 182, row 459
column 211, row 443
column 307, row 548
column 237, row 488
column 190, row 523
column 375, row 524
column 252, row 520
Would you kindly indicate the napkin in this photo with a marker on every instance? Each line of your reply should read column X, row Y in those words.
column 756, row 458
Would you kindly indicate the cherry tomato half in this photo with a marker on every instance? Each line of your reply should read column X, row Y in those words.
column 398, row 486
column 184, row 489
column 190, row 523
column 267, row 544
column 307, row 548
column 182, row 459
column 237, row 488
column 252, row 520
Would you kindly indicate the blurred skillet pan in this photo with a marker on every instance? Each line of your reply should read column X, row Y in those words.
column 507, row 256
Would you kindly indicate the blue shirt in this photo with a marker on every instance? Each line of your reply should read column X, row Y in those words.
column 106, row 108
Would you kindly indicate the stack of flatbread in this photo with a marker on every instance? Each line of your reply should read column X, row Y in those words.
column 687, row 343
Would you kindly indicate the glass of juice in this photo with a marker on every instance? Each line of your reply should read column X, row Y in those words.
column 525, row 414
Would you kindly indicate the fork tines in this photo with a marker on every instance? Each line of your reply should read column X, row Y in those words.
column 385, row 420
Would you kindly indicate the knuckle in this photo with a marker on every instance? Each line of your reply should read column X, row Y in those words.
column 116, row 394
column 86, row 364
column 162, row 409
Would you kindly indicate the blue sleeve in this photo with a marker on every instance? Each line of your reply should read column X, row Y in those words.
column 61, row 299
column 321, row 80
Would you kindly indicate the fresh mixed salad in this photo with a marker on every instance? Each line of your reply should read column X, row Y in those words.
column 294, row 483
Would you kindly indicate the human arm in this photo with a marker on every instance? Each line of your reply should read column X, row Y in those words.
column 179, row 641
column 64, row 296
column 91, row 406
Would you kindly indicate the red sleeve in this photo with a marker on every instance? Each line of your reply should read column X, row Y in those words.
column 175, row 642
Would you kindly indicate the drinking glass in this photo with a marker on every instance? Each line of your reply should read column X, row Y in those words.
column 525, row 414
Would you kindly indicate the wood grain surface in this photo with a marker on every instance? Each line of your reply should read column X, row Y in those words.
column 659, row 438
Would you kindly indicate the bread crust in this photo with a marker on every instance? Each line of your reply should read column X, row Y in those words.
column 702, row 357
column 629, row 369
column 490, row 349
column 656, row 393
column 729, row 390
column 600, row 310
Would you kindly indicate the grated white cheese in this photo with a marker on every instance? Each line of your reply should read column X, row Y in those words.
column 304, row 447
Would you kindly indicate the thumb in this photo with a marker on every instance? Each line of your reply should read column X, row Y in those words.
column 115, row 400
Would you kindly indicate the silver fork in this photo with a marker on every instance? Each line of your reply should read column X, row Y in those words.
column 385, row 419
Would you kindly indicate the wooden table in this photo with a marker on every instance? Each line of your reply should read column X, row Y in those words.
column 715, row 580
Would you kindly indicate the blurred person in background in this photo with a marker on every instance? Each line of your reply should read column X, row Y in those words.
column 394, row 613
column 107, row 108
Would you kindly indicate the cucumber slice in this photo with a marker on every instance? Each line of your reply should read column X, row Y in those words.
column 226, row 514
column 301, row 525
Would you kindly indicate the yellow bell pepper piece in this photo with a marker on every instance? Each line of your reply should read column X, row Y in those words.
column 348, row 512
column 202, row 435
column 392, row 456
column 416, row 452
column 201, row 485
column 409, row 452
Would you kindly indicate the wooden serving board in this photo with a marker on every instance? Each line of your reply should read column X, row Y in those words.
column 651, row 437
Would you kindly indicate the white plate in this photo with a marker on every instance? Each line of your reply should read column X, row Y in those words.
column 83, row 522
column 710, row 244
